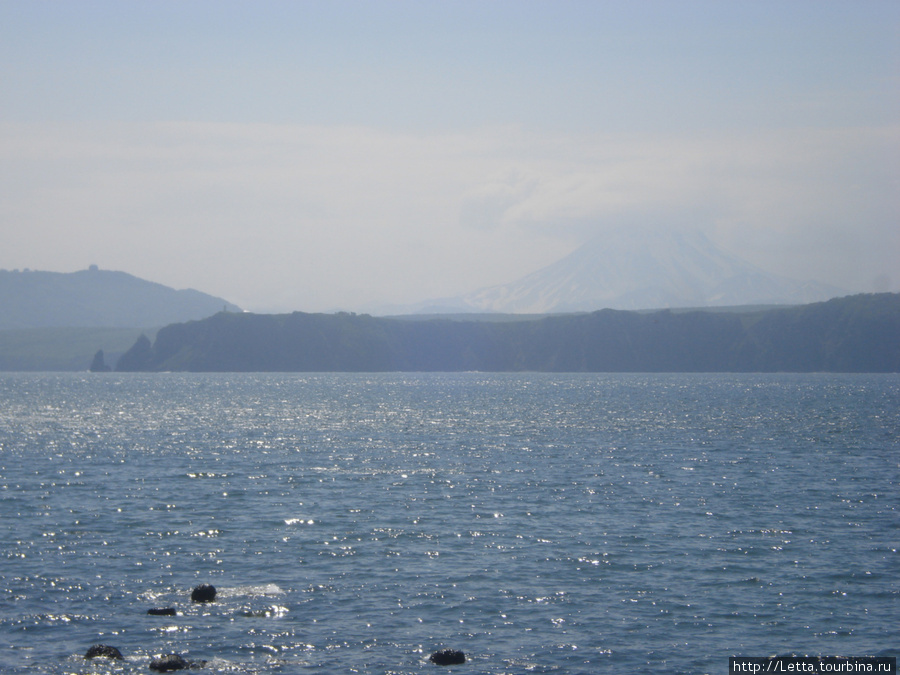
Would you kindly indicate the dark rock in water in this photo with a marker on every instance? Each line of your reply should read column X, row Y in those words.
column 170, row 662
column 162, row 611
column 448, row 657
column 104, row 651
column 204, row 593
column 166, row 664
column 98, row 365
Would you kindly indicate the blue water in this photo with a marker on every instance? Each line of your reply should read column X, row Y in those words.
column 356, row 523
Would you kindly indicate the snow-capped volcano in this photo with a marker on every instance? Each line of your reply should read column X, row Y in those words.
column 639, row 269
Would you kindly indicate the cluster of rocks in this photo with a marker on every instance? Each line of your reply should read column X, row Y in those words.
column 170, row 662
column 162, row 664
column 207, row 593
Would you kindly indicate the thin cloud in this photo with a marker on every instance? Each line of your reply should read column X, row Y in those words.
column 323, row 217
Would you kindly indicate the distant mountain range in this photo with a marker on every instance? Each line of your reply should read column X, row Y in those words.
column 639, row 269
column 97, row 298
column 59, row 321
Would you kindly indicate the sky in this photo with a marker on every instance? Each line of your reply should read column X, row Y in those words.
column 349, row 155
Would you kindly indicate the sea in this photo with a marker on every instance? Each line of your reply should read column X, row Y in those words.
column 356, row 523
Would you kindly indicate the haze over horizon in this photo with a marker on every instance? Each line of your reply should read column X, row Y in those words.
column 341, row 155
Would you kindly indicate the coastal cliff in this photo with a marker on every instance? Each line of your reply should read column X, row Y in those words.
column 853, row 334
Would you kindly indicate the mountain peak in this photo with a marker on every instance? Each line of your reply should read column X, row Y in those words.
column 642, row 268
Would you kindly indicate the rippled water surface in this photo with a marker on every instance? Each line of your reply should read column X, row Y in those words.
column 356, row 523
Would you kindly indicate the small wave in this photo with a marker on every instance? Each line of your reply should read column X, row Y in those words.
column 299, row 521
column 251, row 590
column 273, row 612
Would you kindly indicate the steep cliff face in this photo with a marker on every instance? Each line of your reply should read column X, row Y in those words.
column 854, row 334
column 139, row 358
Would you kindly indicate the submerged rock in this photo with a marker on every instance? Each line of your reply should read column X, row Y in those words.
column 204, row 593
column 168, row 663
column 162, row 611
column 448, row 657
column 103, row 651
column 172, row 662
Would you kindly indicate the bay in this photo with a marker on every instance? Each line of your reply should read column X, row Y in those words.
column 355, row 523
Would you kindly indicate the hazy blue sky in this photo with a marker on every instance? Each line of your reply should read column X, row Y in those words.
column 325, row 155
